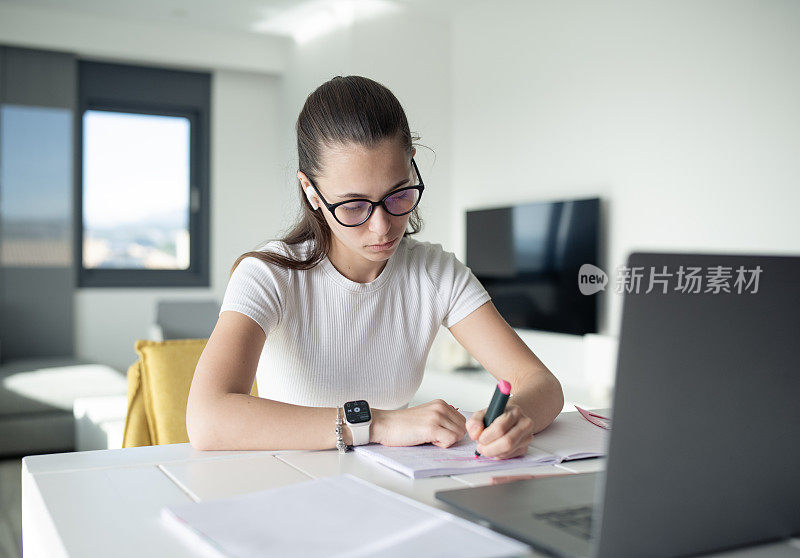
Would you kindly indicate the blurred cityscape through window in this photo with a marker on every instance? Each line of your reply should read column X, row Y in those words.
column 136, row 190
column 35, row 186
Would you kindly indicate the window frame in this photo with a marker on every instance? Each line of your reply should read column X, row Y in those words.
column 153, row 91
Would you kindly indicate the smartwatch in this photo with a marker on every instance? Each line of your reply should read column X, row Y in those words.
column 358, row 418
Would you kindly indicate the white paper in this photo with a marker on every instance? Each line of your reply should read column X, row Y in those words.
column 428, row 460
column 333, row 516
column 570, row 436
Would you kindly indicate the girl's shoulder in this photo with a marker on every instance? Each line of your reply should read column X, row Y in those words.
column 290, row 250
column 429, row 257
column 256, row 265
column 422, row 248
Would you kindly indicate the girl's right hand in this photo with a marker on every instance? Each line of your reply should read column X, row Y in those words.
column 436, row 422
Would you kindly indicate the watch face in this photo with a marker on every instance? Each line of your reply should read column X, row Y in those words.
column 357, row 411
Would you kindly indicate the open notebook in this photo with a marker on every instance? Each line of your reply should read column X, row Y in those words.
column 331, row 516
column 570, row 436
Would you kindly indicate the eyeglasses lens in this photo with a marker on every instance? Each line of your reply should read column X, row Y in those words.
column 353, row 213
column 402, row 202
column 399, row 203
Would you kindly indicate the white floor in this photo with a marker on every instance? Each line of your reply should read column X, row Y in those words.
column 10, row 508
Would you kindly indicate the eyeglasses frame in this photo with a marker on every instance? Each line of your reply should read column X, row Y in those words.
column 332, row 207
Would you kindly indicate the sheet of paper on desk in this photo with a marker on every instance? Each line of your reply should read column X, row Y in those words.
column 570, row 436
column 332, row 516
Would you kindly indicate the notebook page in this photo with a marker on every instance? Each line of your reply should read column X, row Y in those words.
column 334, row 516
column 571, row 436
column 428, row 460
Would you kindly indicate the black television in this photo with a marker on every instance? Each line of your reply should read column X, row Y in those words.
column 527, row 257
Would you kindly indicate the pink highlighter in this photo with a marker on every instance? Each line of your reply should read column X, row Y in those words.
column 497, row 405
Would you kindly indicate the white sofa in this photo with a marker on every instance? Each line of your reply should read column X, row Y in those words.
column 99, row 422
column 37, row 398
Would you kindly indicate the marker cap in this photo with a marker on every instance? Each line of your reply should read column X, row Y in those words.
column 504, row 387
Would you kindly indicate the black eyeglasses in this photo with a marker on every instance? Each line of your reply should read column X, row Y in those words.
column 352, row 213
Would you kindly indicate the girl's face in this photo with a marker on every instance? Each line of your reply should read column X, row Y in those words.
column 352, row 171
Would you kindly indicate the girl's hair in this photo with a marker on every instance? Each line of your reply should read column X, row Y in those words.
column 351, row 109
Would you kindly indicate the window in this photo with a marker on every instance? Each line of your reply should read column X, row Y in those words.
column 143, row 189
column 35, row 186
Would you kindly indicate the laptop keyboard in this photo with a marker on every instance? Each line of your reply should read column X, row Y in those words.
column 576, row 521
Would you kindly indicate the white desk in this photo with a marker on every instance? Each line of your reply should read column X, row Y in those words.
column 107, row 502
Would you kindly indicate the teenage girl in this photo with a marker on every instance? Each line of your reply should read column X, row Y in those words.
column 346, row 306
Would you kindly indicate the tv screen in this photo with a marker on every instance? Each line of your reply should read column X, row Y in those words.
column 528, row 256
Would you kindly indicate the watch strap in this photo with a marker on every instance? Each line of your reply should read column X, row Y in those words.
column 360, row 433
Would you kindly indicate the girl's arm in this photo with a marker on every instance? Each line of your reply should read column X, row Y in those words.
column 222, row 415
column 537, row 397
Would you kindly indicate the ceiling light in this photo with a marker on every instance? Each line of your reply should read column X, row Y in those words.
column 309, row 20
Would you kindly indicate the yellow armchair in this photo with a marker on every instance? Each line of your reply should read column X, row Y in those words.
column 158, row 390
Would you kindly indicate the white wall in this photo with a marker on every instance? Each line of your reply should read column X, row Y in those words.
column 137, row 41
column 683, row 116
column 246, row 168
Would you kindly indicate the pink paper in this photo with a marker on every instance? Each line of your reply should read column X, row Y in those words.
column 597, row 420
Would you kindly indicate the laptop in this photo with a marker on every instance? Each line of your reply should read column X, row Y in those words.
column 705, row 443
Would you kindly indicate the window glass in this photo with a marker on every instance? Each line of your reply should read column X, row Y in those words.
column 136, row 190
column 35, row 186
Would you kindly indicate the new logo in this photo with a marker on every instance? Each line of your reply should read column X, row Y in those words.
column 591, row 279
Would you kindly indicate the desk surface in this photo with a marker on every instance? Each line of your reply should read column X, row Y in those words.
column 104, row 503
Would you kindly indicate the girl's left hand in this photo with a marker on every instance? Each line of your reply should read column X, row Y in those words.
column 508, row 436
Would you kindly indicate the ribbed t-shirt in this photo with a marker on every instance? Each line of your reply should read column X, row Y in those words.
column 330, row 340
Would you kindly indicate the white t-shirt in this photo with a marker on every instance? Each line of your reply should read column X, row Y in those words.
column 332, row 340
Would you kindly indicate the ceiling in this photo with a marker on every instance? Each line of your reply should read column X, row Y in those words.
column 260, row 16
